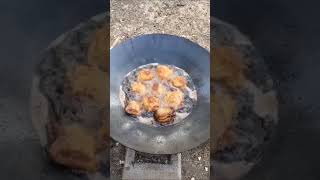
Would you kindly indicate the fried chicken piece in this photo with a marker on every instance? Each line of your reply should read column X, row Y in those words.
column 151, row 103
column 75, row 148
column 164, row 72
column 164, row 115
column 133, row 108
column 179, row 82
column 89, row 81
column 228, row 67
column 174, row 98
column 138, row 87
column 145, row 75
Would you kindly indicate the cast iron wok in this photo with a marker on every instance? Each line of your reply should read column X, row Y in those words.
column 163, row 49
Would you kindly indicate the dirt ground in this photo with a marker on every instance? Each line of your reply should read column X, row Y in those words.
column 186, row 18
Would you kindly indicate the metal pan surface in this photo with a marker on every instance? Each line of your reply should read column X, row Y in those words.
column 163, row 49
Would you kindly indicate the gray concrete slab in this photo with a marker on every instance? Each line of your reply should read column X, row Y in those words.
column 133, row 170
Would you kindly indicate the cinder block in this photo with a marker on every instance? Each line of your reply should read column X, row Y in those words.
column 151, row 171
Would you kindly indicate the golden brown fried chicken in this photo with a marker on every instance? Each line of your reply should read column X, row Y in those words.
column 179, row 82
column 228, row 68
column 133, row 108
column 145, row 75
column 89, row 81
column 75, row 148
column 174, row 98
column 138, row 87
column 164, row 115
column 151, row 103
column 164, row 72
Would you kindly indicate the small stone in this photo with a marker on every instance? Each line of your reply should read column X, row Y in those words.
column 121, row 162
column 117, row 144
column 206, row 168
column 199, row 158
column 193, row 178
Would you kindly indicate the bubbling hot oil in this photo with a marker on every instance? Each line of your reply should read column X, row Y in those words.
column 190, row 93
